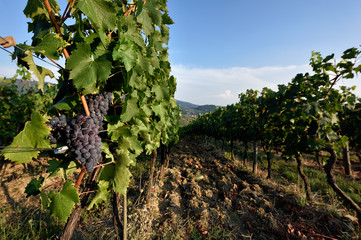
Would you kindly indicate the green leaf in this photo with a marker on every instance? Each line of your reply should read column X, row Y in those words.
column 121, row 173
column 106, row 150
column 166, row 19
column 135, row 145
column 358, row 69
column 102, row 194
column 62, row 203
column 36, row 7
column 350, row 53
column 131, row 31
column 161, row 91
column 144, row 19
column 107, row 172
column 328, row 58
column 161, row 110
column 144, row 63
column 51, row 46
column 44, row 200
column 38, row 71
column 135, row 80
column 34, row 135
column 62, row 168
column 54, row 167
column 152, row 8
column 120, row 132
column 87, row 70
column 66, row 103
column 101, row 13
column 146, row 110
column 131, row 108
column 125, row 50
column 34, row 186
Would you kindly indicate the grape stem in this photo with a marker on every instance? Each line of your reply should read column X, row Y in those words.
column 131, row 9
column 85, row 105
column 55, row 23
column 67, row 11
column 104, row 164
column 66, row 54
column 80, row 177
column 87, row 192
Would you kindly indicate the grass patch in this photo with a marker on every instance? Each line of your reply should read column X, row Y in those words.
column 287, row 170
column 28, row 224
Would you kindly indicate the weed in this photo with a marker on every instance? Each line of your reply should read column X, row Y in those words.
column 28, row 224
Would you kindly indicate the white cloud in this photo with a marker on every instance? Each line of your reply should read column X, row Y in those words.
column 227, row 95
column 222, row 86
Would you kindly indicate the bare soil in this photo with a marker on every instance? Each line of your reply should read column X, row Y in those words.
column 205, row 193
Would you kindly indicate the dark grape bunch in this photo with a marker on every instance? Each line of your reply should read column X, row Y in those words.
column 81, row 134
column 58, row 125
column 98, row 105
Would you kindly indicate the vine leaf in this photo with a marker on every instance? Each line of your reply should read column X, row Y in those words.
column 160, row 110
column 54, row 167
column 63, row 202
column 134, row 144
column 106, row 150
column 63, row 169
column 102, row 194
column 44, row 200
column 101, row 13
column 117, row 131
column 33, row 188
column 87, row 70
column 36, row 7
column 107, row 173
column 125, row 50
column 38, row 71
column 122, row 174
column 66, row 103
column 131, row 108
column 161, row 91
column 149, row 14
column 33, row 136
column 51, row 45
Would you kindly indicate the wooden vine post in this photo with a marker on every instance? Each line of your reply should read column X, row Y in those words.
column 151, row 176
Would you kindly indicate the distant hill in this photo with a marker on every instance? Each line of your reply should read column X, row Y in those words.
column 191, row 111
column 194, row 109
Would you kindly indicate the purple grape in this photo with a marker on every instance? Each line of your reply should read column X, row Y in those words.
column 80, row 133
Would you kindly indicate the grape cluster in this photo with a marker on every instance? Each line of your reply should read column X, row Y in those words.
column 58, row 125
column 98, row 105
column 81, row 134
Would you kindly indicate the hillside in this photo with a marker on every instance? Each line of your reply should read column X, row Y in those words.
column 191, row 111
column 194, row 109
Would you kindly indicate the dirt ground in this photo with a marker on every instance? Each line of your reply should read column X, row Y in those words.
column 206, row 193
column 203, row 195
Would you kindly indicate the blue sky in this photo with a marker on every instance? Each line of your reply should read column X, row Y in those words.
column 219, row 49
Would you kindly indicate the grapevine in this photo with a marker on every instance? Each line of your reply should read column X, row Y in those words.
column 115, row 96
column 306, row 116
